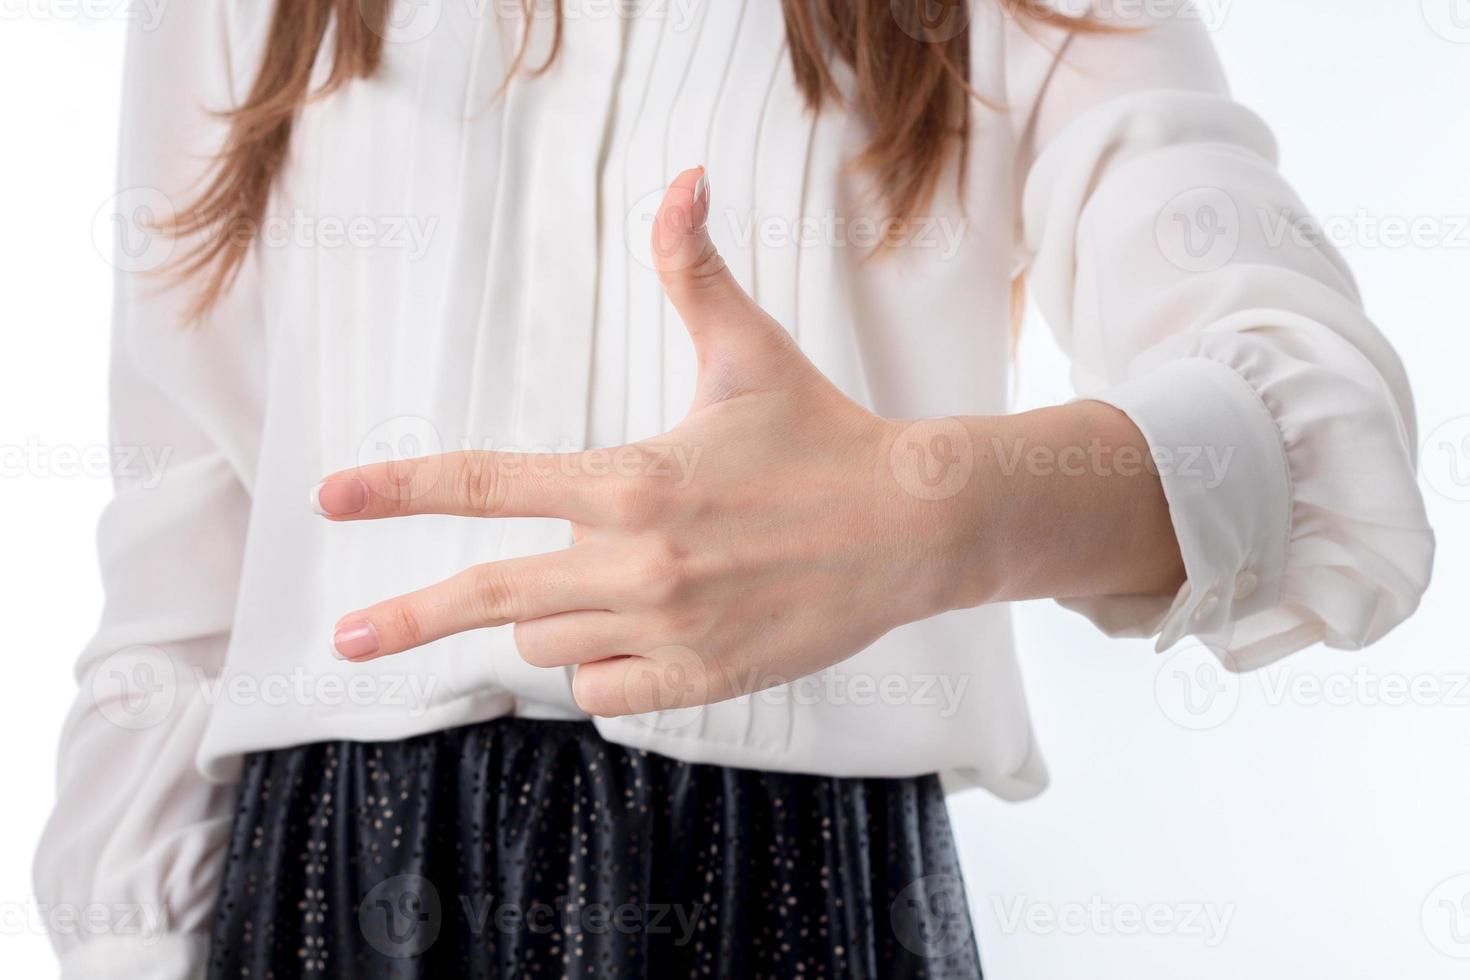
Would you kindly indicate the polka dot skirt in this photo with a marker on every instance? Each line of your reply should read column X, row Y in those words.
column 520, row 848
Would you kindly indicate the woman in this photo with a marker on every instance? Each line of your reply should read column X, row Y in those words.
column 713, row 613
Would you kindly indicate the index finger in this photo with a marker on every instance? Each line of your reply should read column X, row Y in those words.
column 464, row 484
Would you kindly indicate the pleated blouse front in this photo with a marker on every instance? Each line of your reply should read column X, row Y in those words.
column 522, row 312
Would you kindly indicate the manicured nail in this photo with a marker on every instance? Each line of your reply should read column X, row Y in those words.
column 353, row 641
column 701, row 201
column 339, row 498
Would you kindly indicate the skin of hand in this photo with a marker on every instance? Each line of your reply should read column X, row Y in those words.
column 806, row 528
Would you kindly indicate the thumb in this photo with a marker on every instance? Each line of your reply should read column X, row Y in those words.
column 725, row 323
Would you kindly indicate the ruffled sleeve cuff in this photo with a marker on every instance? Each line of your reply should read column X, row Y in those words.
column 1268, row 571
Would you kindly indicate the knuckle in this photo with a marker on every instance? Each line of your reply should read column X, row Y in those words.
column 693, row 271
column 482, row 485
column 660, row 572
column 494, row 597
column 398, row 482
column 635, row 500
column 596, row 694
column 530, row 644
column 671, row 677
column 679, row 623
column 405, row 622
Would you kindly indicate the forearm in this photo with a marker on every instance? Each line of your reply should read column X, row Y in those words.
column 1061, row 502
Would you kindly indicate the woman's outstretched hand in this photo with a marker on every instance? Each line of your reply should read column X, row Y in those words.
column 796, row 529
column 781, row 544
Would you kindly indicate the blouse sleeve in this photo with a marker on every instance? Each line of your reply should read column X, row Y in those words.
column 129, row 862
column 1182, row 275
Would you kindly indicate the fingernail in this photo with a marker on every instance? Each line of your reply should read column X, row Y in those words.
column 339, row 498
column 700, row 218
column 353, row 641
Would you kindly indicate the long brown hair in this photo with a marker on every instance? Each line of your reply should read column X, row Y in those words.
column 911, row 76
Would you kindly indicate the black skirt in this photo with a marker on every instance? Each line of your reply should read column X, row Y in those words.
column 519, row 848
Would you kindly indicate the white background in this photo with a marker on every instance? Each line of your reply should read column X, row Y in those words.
column 1199, row 826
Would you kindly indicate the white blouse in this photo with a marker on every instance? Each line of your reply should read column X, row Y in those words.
column 444, row 269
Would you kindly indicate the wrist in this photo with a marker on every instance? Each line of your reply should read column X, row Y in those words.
column 940, row 475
